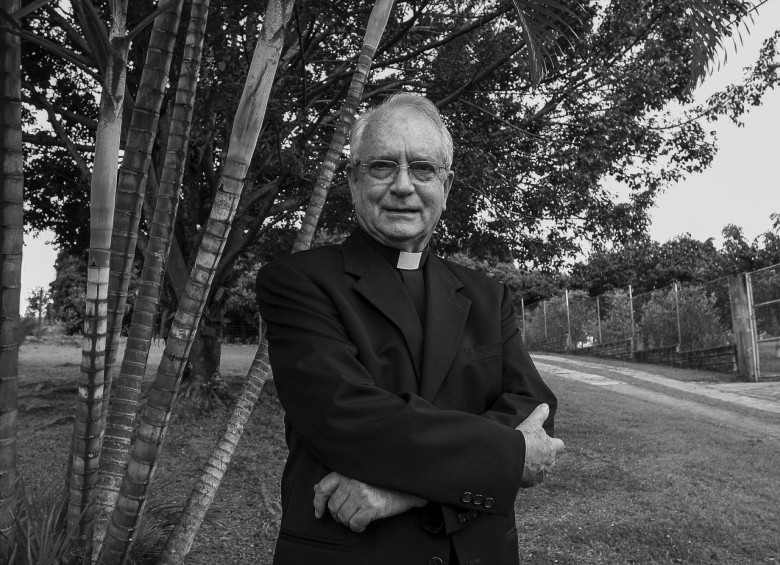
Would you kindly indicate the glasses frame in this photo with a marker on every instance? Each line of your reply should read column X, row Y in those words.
column 366, row 164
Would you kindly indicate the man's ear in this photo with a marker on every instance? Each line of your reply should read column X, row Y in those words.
column 447, row 185
column 351, row 171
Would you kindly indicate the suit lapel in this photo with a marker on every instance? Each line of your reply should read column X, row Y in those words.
column 380, row 285
column 446, row 313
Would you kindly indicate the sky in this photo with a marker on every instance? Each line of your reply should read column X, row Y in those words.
column 741, row 187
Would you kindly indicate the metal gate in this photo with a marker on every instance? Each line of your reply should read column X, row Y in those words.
column 764, row 288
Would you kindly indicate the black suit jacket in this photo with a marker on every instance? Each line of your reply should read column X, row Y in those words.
column 362, row 398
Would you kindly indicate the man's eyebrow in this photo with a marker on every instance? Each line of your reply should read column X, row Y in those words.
column 396, row 159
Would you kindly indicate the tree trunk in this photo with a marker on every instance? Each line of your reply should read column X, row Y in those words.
column 133, row 173
column 11, row 237
column 127, row 390
column 156, row 415
column 87, row 427
column 374, row 30
column 183, row 535
column 127, row 213
column 181, row 539
column 205, row 355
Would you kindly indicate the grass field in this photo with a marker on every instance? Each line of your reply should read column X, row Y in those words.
column 638, row 483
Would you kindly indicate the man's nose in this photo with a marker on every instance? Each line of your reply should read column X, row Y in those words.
column 402, row 184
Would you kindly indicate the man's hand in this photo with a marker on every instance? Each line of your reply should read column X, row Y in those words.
column 540, row 449
column 357, row 504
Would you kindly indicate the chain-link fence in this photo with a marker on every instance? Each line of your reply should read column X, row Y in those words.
column 684, row 316
column 690, row 320
column 765, row 290
column 689, row 317
column 545, row 324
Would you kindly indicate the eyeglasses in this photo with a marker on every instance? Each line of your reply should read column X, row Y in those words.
column 423, row 171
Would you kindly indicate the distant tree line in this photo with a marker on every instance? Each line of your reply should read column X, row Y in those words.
column 642, row 263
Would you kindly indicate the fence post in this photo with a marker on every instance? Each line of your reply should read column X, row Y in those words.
column 633, row 326
column 598, row 317
column 544, row 311
column 744, row 324
column 568, row 323
column 522, row 314
column 677, row 310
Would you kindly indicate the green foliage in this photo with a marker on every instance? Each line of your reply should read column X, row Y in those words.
column 525, row 286
column 38, row 303
column 530, row 161
column 646, row 265
column 68, row 292
column 546, row 322
column 42, row 534
column 697, row 325
column 615, row 313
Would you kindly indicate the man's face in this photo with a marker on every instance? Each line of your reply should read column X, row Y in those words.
column 400, row 212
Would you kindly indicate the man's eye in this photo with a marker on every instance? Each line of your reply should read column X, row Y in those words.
column 423, row 168
column 382, row 167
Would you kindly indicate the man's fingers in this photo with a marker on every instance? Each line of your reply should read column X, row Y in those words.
column 323, row 491
column 336, row 501
column 557, row 445
column 360, row 521
column 346, row 512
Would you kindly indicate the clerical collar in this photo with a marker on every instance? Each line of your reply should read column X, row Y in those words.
column 398, row 259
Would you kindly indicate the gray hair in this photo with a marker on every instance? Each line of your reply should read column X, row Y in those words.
column 405, row 100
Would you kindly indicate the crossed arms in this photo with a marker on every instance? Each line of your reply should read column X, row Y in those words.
column 388, row 450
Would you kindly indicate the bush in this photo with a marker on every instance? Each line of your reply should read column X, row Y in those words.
column 700, row 325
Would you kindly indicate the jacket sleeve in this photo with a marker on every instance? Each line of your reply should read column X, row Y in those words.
column 522, row 391
column 401, row 442
column 523, row 387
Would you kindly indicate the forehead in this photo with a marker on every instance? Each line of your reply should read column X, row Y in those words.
column 400, row 132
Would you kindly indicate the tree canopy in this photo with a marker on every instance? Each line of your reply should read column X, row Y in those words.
column 531, row 163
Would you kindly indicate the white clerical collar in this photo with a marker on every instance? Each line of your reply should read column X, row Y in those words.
column 408, row 261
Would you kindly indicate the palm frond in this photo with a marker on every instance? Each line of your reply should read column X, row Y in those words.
column 713, row 22
column 545, row 29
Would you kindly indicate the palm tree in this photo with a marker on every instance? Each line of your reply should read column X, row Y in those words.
column 127, row 213
column 156, row 414
column 11, row 236
column 181, row 539
column 87, row 426
column 133, row 173
column 374, row 30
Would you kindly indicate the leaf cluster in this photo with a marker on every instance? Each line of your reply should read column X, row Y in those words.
column 532, row 162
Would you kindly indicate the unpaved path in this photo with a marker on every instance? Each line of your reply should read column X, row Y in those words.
column 736, row 407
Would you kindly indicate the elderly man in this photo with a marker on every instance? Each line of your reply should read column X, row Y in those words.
column 413, row 412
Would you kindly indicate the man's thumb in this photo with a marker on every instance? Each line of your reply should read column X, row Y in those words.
column 535, row 419
column 540, row 413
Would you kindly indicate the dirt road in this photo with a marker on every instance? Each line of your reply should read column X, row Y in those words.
column 753, row 408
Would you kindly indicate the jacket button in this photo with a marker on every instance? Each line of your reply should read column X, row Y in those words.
column 466, row 497
column 489, row 502
column 462, row 518
column 435, row 561
column 477, row 499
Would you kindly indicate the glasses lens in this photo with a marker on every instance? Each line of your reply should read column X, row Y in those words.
column 423, row 170
column 381, row 169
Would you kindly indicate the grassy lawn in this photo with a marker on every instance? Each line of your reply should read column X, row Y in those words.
column 638, row 483
column 644, row 484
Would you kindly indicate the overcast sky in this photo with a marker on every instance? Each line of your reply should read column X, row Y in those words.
column 741, row 187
